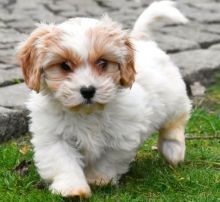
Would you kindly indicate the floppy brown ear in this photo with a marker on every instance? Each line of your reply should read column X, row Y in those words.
column 128, row 69
column 28, row 58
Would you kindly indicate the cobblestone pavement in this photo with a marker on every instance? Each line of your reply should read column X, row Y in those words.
column 194, row 47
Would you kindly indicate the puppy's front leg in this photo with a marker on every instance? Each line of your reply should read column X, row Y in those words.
column 59, row 163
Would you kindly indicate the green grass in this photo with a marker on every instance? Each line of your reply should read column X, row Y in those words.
column 149, row 179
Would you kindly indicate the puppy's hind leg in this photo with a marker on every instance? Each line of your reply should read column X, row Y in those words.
column 171, row 143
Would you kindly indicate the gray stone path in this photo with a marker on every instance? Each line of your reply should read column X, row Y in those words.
column 195, row 47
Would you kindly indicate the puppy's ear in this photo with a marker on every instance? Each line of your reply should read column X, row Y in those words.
column 28, row 56
column 128, row 68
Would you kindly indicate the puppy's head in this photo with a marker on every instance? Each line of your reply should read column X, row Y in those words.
column 83, row 62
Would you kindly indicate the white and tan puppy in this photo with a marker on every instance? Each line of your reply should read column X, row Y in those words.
column 98, row 93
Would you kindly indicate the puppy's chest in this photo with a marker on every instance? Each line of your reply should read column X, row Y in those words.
column 89, row 132
column 92, row 135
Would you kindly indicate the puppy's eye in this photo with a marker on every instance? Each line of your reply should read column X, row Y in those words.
column 102, row 63
column 65, row 67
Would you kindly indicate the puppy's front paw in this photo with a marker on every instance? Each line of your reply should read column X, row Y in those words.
column 172, row 150
column 99, row 180
column 70, row 188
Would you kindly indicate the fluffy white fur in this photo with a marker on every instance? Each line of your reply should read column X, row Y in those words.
column 72, row 148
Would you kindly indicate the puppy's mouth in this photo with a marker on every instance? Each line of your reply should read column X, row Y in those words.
column 88, row 102
column 88, row 107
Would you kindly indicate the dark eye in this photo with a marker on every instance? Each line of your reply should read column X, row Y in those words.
column 65, row 67
column 102, row 63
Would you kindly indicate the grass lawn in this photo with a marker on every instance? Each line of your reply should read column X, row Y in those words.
column 149, row 179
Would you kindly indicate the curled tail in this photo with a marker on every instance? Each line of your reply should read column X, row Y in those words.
column 155, row 12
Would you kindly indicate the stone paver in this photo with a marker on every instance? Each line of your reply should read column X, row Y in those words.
column 14, row 96
column 194, row 47
column 10, row 76
column 12, row 123
column 215, row 46
column 198, row 65
column 204, row 39
column 172, row 44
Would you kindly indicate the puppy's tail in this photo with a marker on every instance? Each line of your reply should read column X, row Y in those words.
column 154, row 13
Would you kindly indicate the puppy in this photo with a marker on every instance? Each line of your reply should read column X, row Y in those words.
column 98, row 93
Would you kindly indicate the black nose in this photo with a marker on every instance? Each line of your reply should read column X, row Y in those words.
column 87, row 92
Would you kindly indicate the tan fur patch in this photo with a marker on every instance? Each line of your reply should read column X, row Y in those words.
column 29, row 56
column 82, row 193
column 128, row 67
column 106, row 43
column 176, row 123
column 33, row 53
column 84, row 109
column 54, row 74
column 174, row 129
column 62, row 54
